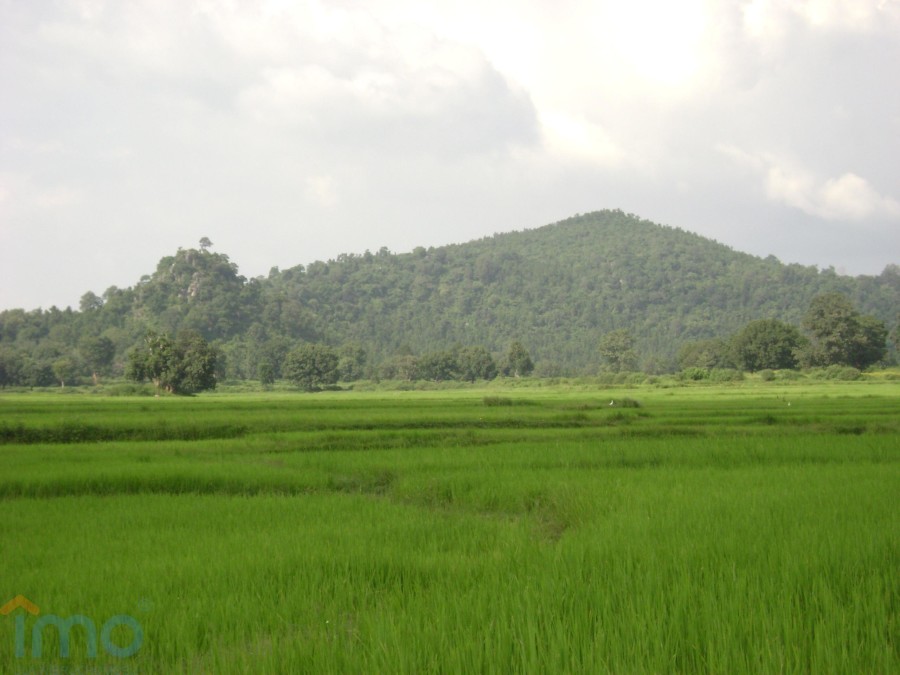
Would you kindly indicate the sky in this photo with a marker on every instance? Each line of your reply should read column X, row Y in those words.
column 289, row 132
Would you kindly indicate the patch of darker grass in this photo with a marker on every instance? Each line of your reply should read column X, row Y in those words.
column 850, row 429
column 74, row 432
column 493, row 401
column 378, row 482
column 765, row 419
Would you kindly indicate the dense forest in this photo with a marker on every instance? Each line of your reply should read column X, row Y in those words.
column 557, row 290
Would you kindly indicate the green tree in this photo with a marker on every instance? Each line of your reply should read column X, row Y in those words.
column 518, row 361
column 400, row 367
column 11, row 364
column 439, row 366
column 64, row 369
column 895, row 339
column 712, row 353
column 617, row 352
column 97, row 354
column 265, row 371
column 870, row 347
column 90, row 302
column 476, row 363
column 153, row 360
column 275, row 351
column 766, row 343
column 37, row 373
column 310, row 366
column 351, row 362
column 197, row 361
column 185, row 366
column 840, row 335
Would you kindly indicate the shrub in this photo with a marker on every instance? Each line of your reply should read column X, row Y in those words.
column 129, row 390
column 694, row 373
column 725, row 375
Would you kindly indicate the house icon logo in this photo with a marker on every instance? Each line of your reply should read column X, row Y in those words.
column 87, row 631
column 20, row 601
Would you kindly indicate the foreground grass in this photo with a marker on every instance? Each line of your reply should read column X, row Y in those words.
column 713, row 531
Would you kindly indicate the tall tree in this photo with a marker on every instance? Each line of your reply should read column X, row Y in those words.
column 153, row 360
column 351, row 362
column 64, row 369
column 197, row 361
column 400, row 367
column 712, row 353
column 97, row 354
column 766, row 343
column 617, row 351
column 90, row 302
column 518, row 361
column 10, row 367
column 265, row 371
column 185, row 366
column 476, row 363
column 439, row 366
column 840, row 335
column 311, row 366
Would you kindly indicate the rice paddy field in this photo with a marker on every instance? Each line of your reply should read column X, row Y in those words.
column 746, row 528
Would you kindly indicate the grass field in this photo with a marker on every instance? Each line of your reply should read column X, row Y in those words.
column 742, row 528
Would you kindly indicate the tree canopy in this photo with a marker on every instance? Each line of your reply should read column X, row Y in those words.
column 766, row 343
column 311, row 366
column 840, row 335
column 183, row 366
column 617, row 352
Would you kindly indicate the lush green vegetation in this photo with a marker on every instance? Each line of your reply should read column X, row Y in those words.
column 559, row 290
column 736, row 528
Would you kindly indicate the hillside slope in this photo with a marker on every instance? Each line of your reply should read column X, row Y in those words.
column 560, row 287
column 557, row 288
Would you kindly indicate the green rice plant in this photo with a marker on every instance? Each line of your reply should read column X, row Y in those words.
column 742, row 528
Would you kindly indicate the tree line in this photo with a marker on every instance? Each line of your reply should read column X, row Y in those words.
column 188, row 365
column 834, row 333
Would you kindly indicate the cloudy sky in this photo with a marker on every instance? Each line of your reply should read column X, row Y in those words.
column 291, row 131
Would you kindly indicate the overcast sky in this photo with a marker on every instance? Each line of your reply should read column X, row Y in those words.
column 288, row 132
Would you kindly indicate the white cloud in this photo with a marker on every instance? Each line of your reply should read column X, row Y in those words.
column 577, row 137
column 322, row 190
column 850, row 197
column 661, row 42
column 847, row 197
column 776, row 19
column 295, row 129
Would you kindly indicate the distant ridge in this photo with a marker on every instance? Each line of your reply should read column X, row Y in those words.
column 557, row 288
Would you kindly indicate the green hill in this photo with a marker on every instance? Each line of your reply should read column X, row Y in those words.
column 557, row 289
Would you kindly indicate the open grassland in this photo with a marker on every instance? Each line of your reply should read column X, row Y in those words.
column 695, row 529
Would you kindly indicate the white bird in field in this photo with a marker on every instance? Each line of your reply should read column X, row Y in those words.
column 612, row 402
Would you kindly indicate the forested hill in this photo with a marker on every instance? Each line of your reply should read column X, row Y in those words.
column 557, row 289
